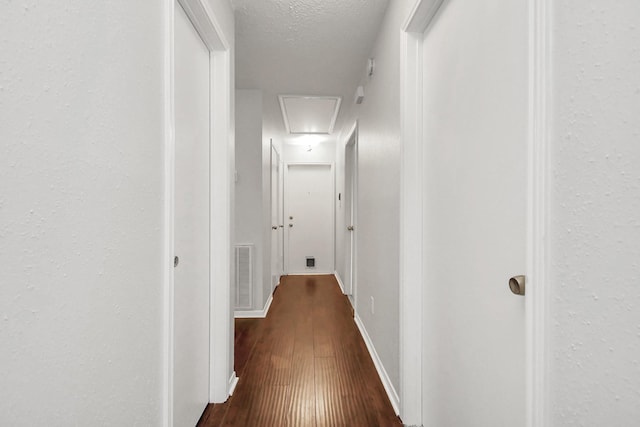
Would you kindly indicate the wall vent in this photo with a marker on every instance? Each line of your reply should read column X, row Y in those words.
column 244, row 277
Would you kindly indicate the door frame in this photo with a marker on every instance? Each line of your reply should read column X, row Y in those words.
column 279, row 214
column 222, row 378
column 285, row 263
column 413, row 210
column 353, row 136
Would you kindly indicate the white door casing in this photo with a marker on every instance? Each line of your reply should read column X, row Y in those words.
column 221, row 376
column 191, row 295
column 277, row 226
column 281, row 219
column 309, row 218
column 350, row 212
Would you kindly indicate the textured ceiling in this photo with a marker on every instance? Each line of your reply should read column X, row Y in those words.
column 304, row 47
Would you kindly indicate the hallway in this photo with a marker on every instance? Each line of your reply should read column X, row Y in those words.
column 485, row 218
column 308, row 367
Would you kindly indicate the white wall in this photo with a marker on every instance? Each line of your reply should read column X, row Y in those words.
column 378, row 191
column 81, row 213
column 322, row 152
column 595, row 211
column 266, row 211
column 249, row 186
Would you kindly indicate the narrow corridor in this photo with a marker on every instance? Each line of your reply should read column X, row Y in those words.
column 309, row 365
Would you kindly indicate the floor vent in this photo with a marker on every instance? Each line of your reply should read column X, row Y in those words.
column 244, row 276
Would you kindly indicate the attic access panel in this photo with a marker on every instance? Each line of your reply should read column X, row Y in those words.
column 309, row 114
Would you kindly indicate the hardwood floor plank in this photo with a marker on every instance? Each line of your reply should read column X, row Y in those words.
column 308, row 365
column 247, row 332
column 270, row 406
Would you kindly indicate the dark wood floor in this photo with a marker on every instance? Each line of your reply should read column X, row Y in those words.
column 304, row 365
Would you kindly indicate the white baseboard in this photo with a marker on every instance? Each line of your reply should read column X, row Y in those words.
column 233, row 382
column 254, row 314
column 312, row 273
column 335, row 273
column 382, row 373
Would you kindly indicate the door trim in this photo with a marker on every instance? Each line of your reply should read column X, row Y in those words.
column 353, row 135
column 413, row 210
column 279, row 210
column 221, row 156
column 285, row 264
column 538, row 213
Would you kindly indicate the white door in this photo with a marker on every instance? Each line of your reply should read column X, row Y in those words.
column 277, row 230
column 191, row 297
column 309, row 219
column 475, row 166
column 350, row 161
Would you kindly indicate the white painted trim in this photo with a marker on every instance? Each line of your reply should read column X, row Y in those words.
column 538, row 213
column 285, row 114
column 382, row 373
column 339, row 280
column 352, row 129
column 313, row 273
column 352, row 236
column 205, row 22
column 280, row 221
column 254, row 314
column 421, row 15
column 222, row 170
column 412, row 276
column 233, row 382
column 221, row 160
column 168, row 213
column 411, row 232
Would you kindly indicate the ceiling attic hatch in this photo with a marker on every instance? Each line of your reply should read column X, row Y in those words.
column 309, row 114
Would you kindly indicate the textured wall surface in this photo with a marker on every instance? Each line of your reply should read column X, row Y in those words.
column 595, row 246
column 378, row 191
column 323, row 152
column 307, row 47
column 81, row 164
column 248, row 189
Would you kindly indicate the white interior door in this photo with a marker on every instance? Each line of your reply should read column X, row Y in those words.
column 350, row 215
column 281, row 219
column 276, row 219
column 309, row 218
column 191, row 275
column 475, row 141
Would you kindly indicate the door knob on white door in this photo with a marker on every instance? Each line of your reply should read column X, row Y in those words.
column 516, row 284
column 274, row 227
column 350, row 227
